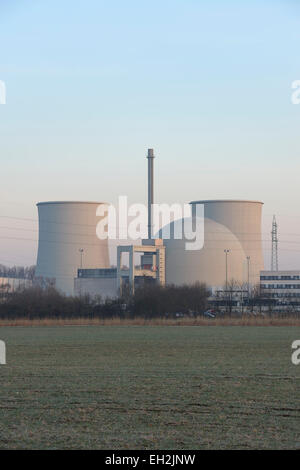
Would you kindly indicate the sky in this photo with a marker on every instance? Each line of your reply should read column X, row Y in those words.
column 92, row 84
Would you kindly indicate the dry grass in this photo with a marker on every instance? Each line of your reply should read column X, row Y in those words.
column 225, row 321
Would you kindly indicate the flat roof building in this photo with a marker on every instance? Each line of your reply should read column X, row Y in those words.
column 280, row 285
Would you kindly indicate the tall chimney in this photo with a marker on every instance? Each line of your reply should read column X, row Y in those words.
column 150, row 158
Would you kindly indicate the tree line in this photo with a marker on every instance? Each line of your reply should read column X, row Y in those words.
column 17, row 272
column 149, row 301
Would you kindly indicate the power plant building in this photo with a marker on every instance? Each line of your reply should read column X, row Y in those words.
column 280, row 285
column 68, row 241
column 232, row 230
column 70, row 252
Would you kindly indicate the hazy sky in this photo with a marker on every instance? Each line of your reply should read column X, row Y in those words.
column 92, row 84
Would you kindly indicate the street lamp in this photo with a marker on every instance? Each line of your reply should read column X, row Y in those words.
column 81, row 250
column 248, row 271
column 227, row 293
column 226, row 255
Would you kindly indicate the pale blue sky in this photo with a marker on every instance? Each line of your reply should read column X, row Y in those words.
column 92, row 84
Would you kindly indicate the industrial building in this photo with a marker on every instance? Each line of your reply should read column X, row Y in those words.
column 67, row 240
column 107, row 283
column 101, row 283
column 232, row 237
column 280, row 286
column 152, row 263
column 70, row 252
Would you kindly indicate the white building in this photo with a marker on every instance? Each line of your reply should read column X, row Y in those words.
column 230, row 226
column 97, row 283
column 68, row 241
column 280, row 285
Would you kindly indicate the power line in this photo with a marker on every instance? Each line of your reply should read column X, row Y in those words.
column 6, row 227
column 118, row 226
column 248, row 240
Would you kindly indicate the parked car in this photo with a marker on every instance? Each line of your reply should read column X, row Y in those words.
column 210, row 313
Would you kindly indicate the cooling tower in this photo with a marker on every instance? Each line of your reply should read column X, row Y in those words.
column 228, row 225
column 68, row 240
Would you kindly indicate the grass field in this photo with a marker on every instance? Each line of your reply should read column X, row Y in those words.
column 149, row 387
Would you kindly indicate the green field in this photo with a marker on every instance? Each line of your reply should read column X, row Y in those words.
column 149, row 388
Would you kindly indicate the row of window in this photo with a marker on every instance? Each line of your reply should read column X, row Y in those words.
column 294, row 295
column 280, row 286
column 97, row 273
column 282, row 278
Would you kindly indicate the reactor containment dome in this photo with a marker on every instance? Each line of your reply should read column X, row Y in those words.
column 229, row 226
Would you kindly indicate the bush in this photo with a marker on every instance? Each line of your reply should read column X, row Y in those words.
column 43, row 303
column 156, row 301
column 149, row 301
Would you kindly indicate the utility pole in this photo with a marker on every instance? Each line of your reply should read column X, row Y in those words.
column 274, row 255
column 226, row 267
column 226, row 256
column 248, row 275
column 81, row 250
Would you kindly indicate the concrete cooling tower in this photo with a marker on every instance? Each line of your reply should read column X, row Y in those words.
column 228, row 225
column 68, row 240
